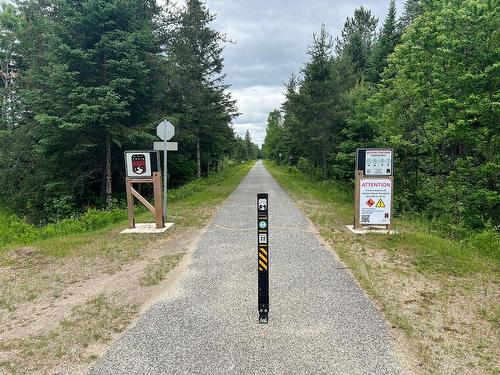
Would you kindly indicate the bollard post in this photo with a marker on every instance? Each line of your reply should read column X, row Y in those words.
column 263, row 257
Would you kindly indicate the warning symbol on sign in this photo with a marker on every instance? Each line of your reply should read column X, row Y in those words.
column 370, row 202
column 380, row 203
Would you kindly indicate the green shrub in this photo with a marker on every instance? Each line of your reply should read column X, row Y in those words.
column 308, row 169
column 14, row 230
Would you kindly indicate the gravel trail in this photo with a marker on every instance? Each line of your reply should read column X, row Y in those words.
column 320, row 321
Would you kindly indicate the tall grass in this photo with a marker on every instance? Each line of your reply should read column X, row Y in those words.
column 14, row 230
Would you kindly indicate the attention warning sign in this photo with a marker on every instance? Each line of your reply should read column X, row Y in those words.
column 375, row 198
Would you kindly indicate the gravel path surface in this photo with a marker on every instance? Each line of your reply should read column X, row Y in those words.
column 320, row 322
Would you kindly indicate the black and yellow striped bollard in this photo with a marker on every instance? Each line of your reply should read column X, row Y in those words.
column 263, row 256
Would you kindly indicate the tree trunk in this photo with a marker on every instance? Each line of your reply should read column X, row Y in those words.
column 5, row 99
column 325, row 166
column 198, row 158
column 108, row 179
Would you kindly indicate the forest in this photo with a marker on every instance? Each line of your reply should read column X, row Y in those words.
column 425, row 84
column 83, row 81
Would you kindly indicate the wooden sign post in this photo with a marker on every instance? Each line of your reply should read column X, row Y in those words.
column 143, row 167
column 357, row 181
column 373, row 188
column 156, row 210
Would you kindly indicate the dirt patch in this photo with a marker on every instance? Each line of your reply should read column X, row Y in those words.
column 60, row 314
column 440, row 324
column 441, row 315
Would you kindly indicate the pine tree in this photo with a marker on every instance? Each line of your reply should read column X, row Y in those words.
column 204, row 107
column 386, row 42
column 10, row 26
column 239, row 149
column 317, row 99
column 356, row 40
column 293, row 133
column 249, row 146
column 273, row 142
column 88, row 86
column 412, row 9
column 437, row 106
column 93, row 78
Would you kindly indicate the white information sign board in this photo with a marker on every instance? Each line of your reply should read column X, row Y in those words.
column 171, row 146
column 375, row 201
column 138, row 164
column 378, row 162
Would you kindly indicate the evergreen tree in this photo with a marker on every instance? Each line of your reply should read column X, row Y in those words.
column 293, row 133
column 386, row 42
column 248, row 145
column 10, row 26
column 317, row 107
column 239, row 149
column 83, row 81
column 412, row 9
column 87, row 86
column 356, row 41
column 204, row 107
column 436, row 105
column 312, row 118
column 273, row 143
column 439, row 109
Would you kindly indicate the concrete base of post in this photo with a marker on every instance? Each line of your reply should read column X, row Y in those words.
column 380, row 229
column 147, row 228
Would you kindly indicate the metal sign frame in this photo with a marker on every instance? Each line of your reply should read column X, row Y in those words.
column 263, row 256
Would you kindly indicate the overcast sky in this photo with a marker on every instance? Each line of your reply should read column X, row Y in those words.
column 271, row 37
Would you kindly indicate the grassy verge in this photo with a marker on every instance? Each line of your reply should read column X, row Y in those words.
column 187, row 208
column 68, row 289
column 441, row 295
column 156, row 272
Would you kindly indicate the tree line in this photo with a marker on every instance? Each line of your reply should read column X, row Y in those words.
column 425, row 84
column 82, row 81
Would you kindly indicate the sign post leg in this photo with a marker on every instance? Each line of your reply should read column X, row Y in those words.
column 165, row 174
column 389, row 226
column 160, row 223
column 357, row 203
column 130, row 204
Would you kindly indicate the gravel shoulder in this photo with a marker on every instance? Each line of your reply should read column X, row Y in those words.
column 321, row 322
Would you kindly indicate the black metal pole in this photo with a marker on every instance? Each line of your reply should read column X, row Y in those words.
column 263, row 256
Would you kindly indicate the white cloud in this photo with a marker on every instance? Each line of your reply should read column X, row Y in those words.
column 271, row 38
column 254, row 104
